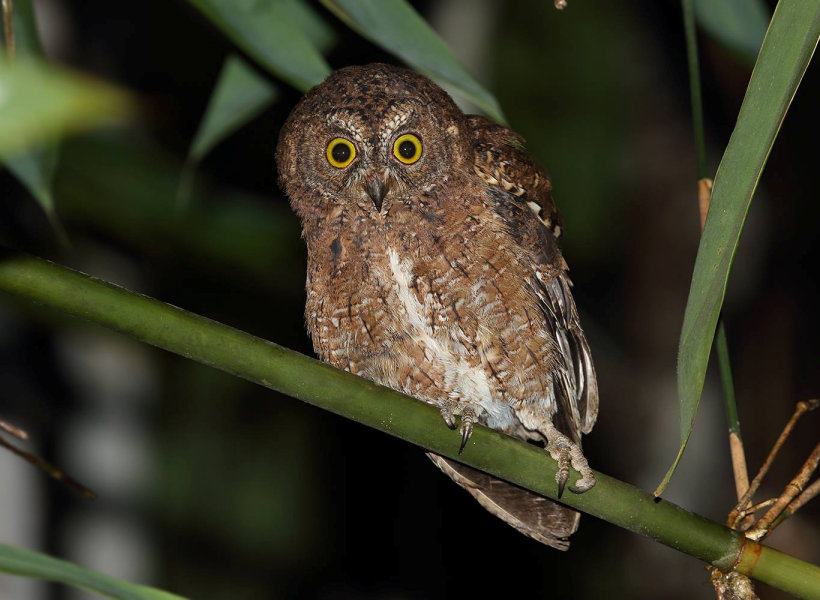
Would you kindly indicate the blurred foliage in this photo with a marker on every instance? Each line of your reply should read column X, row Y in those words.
column 239, row 96
column 398, row 28
column 738, row 24
column 17, row 561
column 34, row 168
column 272, row 32
column 40, row 104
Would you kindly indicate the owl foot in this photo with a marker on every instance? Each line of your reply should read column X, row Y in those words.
column 469, row 416
column 567, row 453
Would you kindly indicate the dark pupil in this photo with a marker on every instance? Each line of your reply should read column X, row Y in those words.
column 340, row 152
column 407, row 149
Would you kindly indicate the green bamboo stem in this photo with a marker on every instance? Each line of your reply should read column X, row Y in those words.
column 291, row 373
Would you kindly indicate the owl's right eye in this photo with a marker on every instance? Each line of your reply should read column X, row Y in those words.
column 340, row 152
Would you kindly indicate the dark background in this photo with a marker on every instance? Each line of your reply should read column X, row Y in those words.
column 213, row 488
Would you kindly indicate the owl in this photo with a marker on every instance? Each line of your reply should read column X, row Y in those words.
column 433, row 269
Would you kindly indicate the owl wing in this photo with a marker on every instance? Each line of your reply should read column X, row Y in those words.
column 522, row 189
column 501, row 161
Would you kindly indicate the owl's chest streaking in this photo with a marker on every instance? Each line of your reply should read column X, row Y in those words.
column 432, row 301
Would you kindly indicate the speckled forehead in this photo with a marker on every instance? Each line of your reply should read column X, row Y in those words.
column 353, row 121
column 397, row 114
column 367, row 121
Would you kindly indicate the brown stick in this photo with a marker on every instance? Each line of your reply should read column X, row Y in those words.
column 809, row 493
column 801, row 408
column 15, row 431
column 48, row 468
column 793, row 488
column 739, row 468
column 760, row 506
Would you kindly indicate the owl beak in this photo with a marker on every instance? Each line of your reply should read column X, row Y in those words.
column 376, row 189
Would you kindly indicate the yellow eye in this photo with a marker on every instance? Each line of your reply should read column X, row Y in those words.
column 407, row 148
column 340, row 152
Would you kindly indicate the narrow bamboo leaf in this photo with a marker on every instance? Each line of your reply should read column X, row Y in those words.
column 787, row 49
column 25, row 563
column 240, row 94
column 265, row 30
column 35, row 168
column 398, row 28
column 737, row 24
column 39, row 104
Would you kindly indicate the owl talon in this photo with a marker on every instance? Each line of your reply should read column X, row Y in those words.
column 562, row 475
column 566, row 453
column 448, row 413
column 584, row 484
column 468, row 417
column 562, row 481
column 466, row 432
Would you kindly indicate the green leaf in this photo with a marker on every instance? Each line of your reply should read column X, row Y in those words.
column 312, row 25
column 737, row 24
column 34, row 169
column 395, row 26
column 240, row 94
column 787, row 49
column 39, row 104
column 268, row 32
column 25, row 563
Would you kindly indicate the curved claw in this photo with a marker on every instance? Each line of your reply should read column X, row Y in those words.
column 582, row 485
column 449, row 419
column 466, row 432
column 561, row 483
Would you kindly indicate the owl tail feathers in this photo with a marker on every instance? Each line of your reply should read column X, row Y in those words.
column 544, row 520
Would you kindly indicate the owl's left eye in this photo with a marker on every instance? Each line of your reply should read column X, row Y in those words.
column 407, row 148
column 340, row 152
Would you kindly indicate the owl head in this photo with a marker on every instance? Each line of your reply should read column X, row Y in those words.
column 370, row 136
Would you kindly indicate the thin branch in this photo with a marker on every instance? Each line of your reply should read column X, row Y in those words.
column 800, row 409
column 759, row 506
column 48, row 469
column 808, row 494
column 13, row 430
column 291, row 373
column 794, row 488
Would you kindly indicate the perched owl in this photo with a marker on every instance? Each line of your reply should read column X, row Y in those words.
column 433, row 269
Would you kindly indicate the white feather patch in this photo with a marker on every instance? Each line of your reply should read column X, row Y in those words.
column 466, row 382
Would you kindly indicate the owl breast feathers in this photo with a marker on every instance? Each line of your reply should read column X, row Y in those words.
column 434, row 269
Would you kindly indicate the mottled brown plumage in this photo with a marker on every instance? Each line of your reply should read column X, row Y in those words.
column 437, row 272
